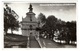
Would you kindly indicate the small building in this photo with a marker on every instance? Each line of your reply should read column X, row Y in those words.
column 29, row 23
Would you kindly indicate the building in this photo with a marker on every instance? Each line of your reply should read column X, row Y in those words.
column 29, row 23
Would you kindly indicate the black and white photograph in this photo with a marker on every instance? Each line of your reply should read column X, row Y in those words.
column 39, row 25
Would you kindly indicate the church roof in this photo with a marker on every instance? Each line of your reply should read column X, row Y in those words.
column 31, row 13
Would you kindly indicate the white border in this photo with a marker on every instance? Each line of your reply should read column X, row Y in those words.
column 38, row 49
column 42, row 1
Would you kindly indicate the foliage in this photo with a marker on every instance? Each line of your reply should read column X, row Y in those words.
column 67, row 30
column 10, row 21
column 41, row 18
column 72, row 30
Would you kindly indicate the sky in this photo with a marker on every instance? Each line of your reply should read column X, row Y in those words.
column 65, row 12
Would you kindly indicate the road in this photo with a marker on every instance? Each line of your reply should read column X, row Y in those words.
column 33, row 42
column 46, row 43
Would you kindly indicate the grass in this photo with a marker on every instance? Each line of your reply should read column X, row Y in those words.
column 13, row 40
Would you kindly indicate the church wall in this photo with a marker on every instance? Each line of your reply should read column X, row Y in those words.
column 29, row 24
column 25, row 32
column 28, row 32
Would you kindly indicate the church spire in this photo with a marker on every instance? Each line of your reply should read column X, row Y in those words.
column 30, row 8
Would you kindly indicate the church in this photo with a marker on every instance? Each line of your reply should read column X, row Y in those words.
column 29, row 23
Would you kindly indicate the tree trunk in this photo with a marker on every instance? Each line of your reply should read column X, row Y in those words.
column 67, row 41
column 12, row 31
column 6, row 31
column 60, row 41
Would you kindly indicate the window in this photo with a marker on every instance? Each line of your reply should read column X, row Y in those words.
column 30, row 27
column 30, row 18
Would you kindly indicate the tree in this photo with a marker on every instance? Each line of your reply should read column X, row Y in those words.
column 72, row 30
column 68, row 32
column 41, row 22
column 41, row 19
column 51, row 25
column 10, row 21
column 6, row 25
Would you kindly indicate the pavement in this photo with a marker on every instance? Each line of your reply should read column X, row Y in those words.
column 33, row 42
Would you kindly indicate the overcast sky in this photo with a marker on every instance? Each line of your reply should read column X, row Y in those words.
column 66, row 12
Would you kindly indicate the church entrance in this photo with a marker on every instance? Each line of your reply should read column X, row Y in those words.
column 31, row 33
column 31, row 36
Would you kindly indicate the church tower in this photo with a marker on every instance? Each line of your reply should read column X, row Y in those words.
column 29, row 23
